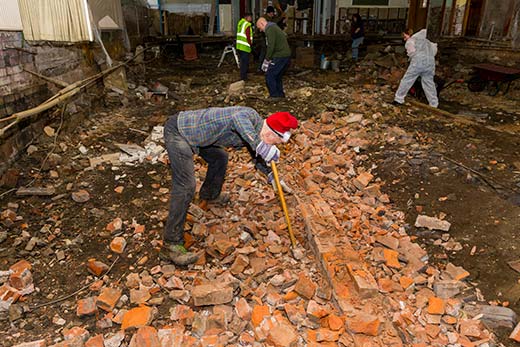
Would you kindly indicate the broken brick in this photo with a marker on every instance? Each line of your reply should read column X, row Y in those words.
column 388, row 286
column 316, row 311
column 97, row 268
column 86, row 307
column 362, row 180
column 436, row 305
column 95, row 341
column 282, row 335
column 115, row 225
column 118, row 245
column 259, row 313
column 392, row 258
column 243, row 309
column 20, row 266
column 305, row 287
column 470, row 328
column 239, row 265
column 137, row 317
column 21, row 276
column 139, row 296
column 327, row 335
column 76, row 332
column 406, row 281
column 456, row 272
column 37, row 343
column 212, row 294
column 335, row 323
column 364, row 281
column 364, row 324
column 108, row 298
column 515, row 334
column 145, row 336
column 295, row 313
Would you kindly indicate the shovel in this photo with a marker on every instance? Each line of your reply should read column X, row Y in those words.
column 282, row 201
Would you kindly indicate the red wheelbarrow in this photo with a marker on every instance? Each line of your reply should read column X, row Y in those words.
column 492, row 76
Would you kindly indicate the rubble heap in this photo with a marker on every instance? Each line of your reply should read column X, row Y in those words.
column 360, row 281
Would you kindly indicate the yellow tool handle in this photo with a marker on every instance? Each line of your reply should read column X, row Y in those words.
column 282, row 201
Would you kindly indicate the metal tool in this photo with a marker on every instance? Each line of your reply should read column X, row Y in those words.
column 282, row 201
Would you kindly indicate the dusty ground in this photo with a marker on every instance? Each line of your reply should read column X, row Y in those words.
column 424, row 178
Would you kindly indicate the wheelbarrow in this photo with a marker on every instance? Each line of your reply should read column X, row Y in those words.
column 493, row 77
column 440, row 84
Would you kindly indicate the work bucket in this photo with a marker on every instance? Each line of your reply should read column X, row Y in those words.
column 325, row 64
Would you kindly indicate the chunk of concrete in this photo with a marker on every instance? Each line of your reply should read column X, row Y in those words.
column 432, row 223
column 498, row 316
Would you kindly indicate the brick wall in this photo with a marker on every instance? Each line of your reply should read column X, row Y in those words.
column 20, row 90
column 16, row 88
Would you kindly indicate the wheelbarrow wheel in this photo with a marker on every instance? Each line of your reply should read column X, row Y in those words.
column 476, row 84
column 493, row 88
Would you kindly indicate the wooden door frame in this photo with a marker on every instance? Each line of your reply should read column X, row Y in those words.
column 466, row 17
column 415, row 6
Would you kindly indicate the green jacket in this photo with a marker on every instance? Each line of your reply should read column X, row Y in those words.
column 277, row 45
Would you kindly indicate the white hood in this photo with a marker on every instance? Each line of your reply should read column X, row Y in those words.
column 420, row 35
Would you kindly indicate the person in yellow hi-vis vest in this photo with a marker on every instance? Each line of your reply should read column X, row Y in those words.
column 244, row 43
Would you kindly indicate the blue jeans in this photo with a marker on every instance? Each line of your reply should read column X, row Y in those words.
column 274, row 74
column 180, row 154
column 244, row 64
column 355, row 47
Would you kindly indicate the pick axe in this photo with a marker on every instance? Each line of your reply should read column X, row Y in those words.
column 282, row 201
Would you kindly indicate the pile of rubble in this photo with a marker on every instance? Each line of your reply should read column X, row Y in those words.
column 356, row 279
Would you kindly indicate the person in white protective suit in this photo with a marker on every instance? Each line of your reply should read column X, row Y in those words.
column 422, row 64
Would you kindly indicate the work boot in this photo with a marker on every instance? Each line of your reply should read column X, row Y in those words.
column 177, row 254
column 222, row 199
column 396, row 103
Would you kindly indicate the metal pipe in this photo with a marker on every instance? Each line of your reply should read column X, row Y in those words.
column 160, row 17
column 217, row 12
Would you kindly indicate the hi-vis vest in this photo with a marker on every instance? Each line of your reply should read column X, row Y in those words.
column 242, row 43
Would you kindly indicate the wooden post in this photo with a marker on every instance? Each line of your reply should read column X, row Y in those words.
column 212, row 14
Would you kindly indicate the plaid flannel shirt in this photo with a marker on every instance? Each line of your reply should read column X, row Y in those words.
column 226, row 127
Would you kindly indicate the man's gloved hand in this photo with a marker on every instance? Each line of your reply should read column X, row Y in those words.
column 268, row 152
column 265, row 65
column 285, row 187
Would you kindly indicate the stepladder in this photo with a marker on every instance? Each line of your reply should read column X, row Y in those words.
column 229, row 49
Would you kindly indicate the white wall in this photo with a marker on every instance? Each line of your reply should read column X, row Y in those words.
column 153, row 3
column 10, row 16
column 226, row 23
column 186, row 6
column 391, row 3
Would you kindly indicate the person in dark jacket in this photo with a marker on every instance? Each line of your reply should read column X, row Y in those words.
column 357, row 32
column 277, row 57
column 270, row 16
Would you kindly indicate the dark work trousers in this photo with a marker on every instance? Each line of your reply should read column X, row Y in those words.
column 180, row 154
column 274, row 76
column 244, row 64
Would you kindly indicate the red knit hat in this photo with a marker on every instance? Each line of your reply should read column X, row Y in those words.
column 282, row 122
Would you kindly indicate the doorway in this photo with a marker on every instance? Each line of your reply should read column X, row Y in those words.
column 474, row 16
column 418, row 14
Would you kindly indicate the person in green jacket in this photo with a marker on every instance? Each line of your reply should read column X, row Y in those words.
column 244, row 43
column 277, row 57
